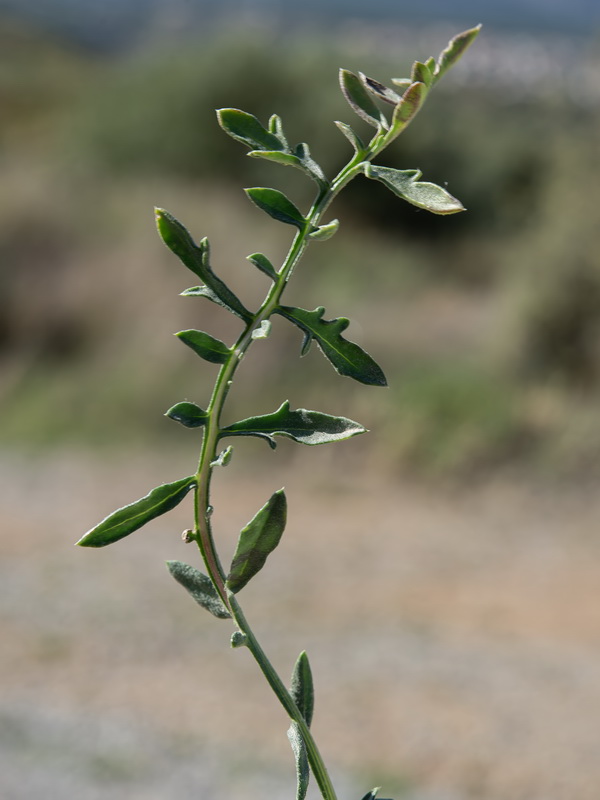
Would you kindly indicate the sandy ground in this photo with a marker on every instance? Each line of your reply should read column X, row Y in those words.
column 454, row 636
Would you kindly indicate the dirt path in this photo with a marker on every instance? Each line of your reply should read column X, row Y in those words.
column 454, row 637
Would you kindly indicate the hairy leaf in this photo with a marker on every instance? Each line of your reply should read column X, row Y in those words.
column 410, row 102
column 325, row 232
column 360, row 100
column 197, row 259
column 262, row 263
column 302, row 689
column 257, row 540
column 130, row 518
column 306, row 427
column 200, row 587
column 347, row 357
column 247, row 129
column 379, row 90
column 421, row 73
column 279, row 157
column 188, row 414
column 353, row 137
column 205, row 345
column 455, row 49
column 301, row 758
column 276, row 205
column 406, row 184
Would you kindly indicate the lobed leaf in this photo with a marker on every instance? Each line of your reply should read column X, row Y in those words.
column 262, row 263
column 257, row 540
column 276, row 205
column 188, row 414
column 205, row 345
column 454, row 50
column 346, row 357
column 200, row 587
column 405, row 184
column 246, row 128
column 303, row 426
column 197, row 259
column 130, row 518
column 360, row 100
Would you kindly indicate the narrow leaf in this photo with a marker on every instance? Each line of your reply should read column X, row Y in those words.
column 360, row 100
column 276, row 205
column 276, row 128
column 455, row 49
column 128, row 519
column 379, row 90
column 402, row 83
column 197, row 259
column 325, row 232
column 309, row 165
column 410, row 103
column 421, row 74
column 306, row 427
column 188, row 414
column 247, row 129
column 262, row 263
column 301, row 758
column 347, row 357
column 405, row 184
column 200, row 587
column 372, row 794
column 354, row 139
column 257, row 540
column 302, row 689
column 279, row 157
column 206, row 346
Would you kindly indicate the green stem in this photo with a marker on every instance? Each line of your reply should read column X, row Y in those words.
column 210, row 441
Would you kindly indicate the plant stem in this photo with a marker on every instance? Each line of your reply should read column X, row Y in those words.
column 211, row 432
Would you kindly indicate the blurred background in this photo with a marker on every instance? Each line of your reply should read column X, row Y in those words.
column 469, row 651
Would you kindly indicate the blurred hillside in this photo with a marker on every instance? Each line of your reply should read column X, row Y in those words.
column 488, row 330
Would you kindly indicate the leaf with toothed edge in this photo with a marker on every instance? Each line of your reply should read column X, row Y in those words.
column 346, row 357
column 196, row 258
column 301, row 425
column 257, row 540
column 200, row 587
column 406, row 184
column 132, row 517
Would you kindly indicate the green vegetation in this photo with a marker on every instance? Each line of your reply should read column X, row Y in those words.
column 87, row 146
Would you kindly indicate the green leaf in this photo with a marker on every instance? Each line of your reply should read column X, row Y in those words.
column 262, row 263
column 276, row 128
column 238, row 639
column 372, row 794
column 276, row 205
column 263, row 330
column 197, row 259
column 306, row 427
column 455, row 49
column 360, row 100
column 405, row 184
column 301, row 758
column 402, row 83
column 421, row 73
column 200, row 587
column 128, row 519
column 188, row 414
column 247, row 129
column 354, row 139
column 224, row 458
column 206, row 346
column 410, row 102
column 279, row 157
column 309, row 165
column 257, row 540
column 347, row 357
column 302, row 689
column 379, row 90
column 325, row 232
